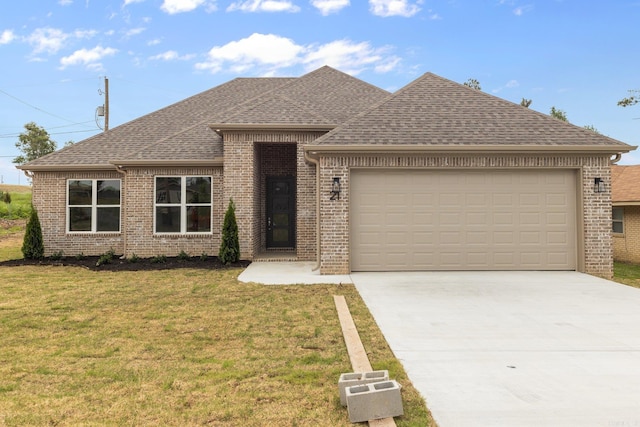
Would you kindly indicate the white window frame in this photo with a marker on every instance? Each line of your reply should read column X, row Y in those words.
column 94, row 207
column 183, row 206
column 619, row 221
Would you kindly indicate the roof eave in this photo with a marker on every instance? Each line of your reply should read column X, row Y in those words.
column 61, row 168
column 470, row 149
column 220, row 128
column 216, row 161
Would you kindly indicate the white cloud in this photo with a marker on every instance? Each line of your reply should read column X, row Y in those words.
column 509, row 85
column 263, row 6
column 128, row 2
column 327, row 7
column 65, row 2
column 134, row 31
column 48, row 40
column 521, row 10
column 257, row 50
column 265, row 54
column 350, row 57
column 170, row 55
column 154, row 42
column 387, row 8
column 7, row 37
column 178, row 6
column 88, row 57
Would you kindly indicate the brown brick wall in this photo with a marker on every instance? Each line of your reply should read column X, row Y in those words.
column 251, row 156
column 595, row 235
column 49, row 197
column 626, row 246
column 50, row 200
column 139, row 205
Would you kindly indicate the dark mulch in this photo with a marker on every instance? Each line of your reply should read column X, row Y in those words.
column 141, row 264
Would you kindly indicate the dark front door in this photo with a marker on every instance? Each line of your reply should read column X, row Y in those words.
column 281, row 202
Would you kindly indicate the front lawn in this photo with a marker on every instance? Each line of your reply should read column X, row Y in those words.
column 179, row 347
column 629, row 274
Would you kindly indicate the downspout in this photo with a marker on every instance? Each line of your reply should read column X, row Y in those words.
column 123, row 214
column 317, row 164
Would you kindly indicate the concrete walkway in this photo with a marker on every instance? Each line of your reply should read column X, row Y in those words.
column 504, row 348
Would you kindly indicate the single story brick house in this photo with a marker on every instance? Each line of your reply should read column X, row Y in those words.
column 328, row 168
column 625, row 196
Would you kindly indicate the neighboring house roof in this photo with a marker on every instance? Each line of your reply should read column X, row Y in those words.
column 434, row 112
column 184, row 132
column 625, row 185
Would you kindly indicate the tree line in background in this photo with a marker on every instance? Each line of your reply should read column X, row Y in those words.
column 632, row 99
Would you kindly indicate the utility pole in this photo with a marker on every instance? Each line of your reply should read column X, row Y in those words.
column 106, row 104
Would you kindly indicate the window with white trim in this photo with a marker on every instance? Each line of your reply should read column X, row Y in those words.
column 183, row 204
column 93, row 205
column 617, row 222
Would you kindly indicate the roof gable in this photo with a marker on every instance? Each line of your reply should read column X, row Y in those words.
column 435, row 111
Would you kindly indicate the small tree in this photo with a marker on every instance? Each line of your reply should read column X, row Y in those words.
column 5, row 197
column 33, row 143
column 473, row 84
column 526, row 102
column 558, row 114
column 230, row 245
column 632, row 99
column 32, row 245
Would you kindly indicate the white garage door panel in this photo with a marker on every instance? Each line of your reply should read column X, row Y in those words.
column 463, row 220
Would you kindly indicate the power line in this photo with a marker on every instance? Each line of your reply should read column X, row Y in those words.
column 34, row 107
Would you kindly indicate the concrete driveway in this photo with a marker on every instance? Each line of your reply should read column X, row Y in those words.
column 514, row 348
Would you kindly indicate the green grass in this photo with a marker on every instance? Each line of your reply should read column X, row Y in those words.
column 629, row 274
column 177, row 348
column 20, row 206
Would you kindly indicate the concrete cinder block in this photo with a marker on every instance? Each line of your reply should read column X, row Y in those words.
column 374, row 401
column 358, row 378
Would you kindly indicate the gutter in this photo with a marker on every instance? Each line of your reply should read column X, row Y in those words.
column 471, row 149
column 314, row 161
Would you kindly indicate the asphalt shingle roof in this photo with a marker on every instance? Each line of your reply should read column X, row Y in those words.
column 625, row 183
column 435, row 111
column 182, row 131
column 429, row 111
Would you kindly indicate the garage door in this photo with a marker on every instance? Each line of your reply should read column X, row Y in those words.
column 404, row 220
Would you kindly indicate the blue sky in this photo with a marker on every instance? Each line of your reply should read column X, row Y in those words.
column 580, row 56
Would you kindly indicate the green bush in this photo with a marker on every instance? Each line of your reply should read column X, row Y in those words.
column 159, row 259
column 6, row 197
column 33, row 243
column 183, row 256
column 230, row 246
column 106, row 258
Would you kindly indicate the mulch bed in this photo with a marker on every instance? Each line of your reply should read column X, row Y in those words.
column 141, row 264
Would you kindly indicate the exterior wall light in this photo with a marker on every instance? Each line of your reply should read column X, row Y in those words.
column 598, row 185
column 335, row 189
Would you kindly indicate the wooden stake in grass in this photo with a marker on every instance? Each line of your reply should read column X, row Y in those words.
column 33, row 245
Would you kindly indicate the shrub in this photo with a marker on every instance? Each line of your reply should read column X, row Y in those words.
column 106, row 258
column 57, row 256
column 203, row 256
column 159, row 259
column 80, row 256
column 230, row 246
column 33, row 244
column 6, row 197
column 134, row 258
column 183, row 256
